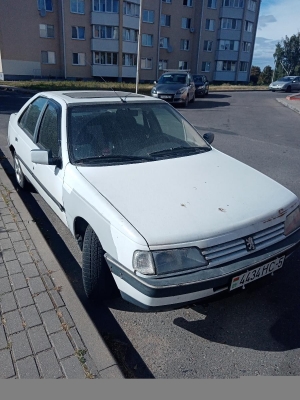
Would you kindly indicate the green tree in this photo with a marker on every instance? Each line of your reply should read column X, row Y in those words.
column 287, row 56
column 254, row 74
column 265, row 78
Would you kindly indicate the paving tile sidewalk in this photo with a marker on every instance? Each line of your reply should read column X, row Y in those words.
column 38, row 336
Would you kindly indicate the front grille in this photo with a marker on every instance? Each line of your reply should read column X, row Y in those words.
column 234, row 249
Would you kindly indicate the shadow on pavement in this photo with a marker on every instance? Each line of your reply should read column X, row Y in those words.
column 264, row 317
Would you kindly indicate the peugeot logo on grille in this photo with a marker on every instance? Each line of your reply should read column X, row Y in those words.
column 250, row 243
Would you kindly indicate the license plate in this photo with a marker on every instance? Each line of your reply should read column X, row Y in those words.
column 257, row 273
column 164, row 96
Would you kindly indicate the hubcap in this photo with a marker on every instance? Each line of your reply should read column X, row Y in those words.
column 18, row 171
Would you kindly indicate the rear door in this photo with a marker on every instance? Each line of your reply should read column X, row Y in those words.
column 24, row 136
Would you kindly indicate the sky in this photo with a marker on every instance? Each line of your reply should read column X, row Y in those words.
column 277, row 19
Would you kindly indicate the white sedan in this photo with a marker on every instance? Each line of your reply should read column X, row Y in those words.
column 157, row 211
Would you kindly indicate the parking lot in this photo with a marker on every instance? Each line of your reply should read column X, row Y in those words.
column 245, row 333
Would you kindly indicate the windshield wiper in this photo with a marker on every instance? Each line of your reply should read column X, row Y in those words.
column 115, row 157
column 180, row 150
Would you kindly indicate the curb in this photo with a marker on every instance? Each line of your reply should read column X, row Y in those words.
column 101, row 355
column 291, row 105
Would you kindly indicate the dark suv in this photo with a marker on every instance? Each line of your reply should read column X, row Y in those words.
column 201, row 84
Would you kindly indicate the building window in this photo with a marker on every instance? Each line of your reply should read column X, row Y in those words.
column 231, row 23
column 131, row 9
column 165, row 20
column 186, row 23
column 106, row 32
column 148, row 16
column 210, row 24
column 129, row 60
column 162, row 64
column 78, row 32
column 48, row 57
column 212, row 4
column 248, row 26
column 229, row 45
column 207, row 45
column 106, row 6
column 252, row 5
column 226, row 65
column 183, row 65
column 77, row 6
column 45, row 5
column 130, row 35
column 205, row 67
column 164, row 42
column 243, row 66
column 246, row 46
column 105, row 58
column 147, row 40
column 46, row 31
column 78, row 58
column 184, row 44
column 167, row 1
column 233, row 3
column 188, row 3
column 146, row 63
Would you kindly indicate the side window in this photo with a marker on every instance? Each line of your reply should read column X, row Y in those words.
column 31, row 115
column 48, row 136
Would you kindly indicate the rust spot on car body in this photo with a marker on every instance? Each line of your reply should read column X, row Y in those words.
column 281, row 213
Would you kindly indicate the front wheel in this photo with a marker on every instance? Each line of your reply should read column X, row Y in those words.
column 22, row 182
column 97, row 279
column 289, row 89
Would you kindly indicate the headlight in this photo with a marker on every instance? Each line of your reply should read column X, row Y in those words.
column 182, row 90
column 166, row 261
column 154, row 91
column 292, row 222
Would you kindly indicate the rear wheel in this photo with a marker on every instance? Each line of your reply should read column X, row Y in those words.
column 97, row 279
column 22, row 182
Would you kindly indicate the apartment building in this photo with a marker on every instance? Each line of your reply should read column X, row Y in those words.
column 90, row 39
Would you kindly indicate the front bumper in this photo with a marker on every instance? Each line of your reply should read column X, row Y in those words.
column 158, row 293
column 277, row 89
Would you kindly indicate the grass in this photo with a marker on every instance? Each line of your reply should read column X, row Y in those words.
column 44, row 85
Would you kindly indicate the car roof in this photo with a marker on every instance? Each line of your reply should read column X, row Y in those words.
column 96, row 96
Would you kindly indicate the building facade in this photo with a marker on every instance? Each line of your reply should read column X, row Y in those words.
column 90, row 39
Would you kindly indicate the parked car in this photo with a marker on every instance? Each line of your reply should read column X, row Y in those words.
column 287, row 84
column 201, row 85
column 176, row 87
column 157, row 211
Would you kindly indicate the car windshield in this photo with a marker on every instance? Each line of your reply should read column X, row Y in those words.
column 172, row 78
column 286, row 79
column 198, row 79
column 128, row 133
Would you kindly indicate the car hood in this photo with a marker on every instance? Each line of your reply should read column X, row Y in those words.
column 190, row 198
column 169, row 87
column 279, row 83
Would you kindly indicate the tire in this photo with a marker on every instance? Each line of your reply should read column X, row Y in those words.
column 193, row 98
column 206, row 93
column 289, row 89
column 97, row 279
column 22, row 182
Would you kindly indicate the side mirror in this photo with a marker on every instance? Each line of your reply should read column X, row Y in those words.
column 44, row 157
column 209, row 137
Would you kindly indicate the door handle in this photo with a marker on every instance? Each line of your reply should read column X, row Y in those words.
column 16, row 139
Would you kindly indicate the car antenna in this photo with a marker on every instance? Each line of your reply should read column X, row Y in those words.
column 123, row 100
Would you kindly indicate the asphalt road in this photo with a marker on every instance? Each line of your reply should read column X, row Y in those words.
column 249, row 332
